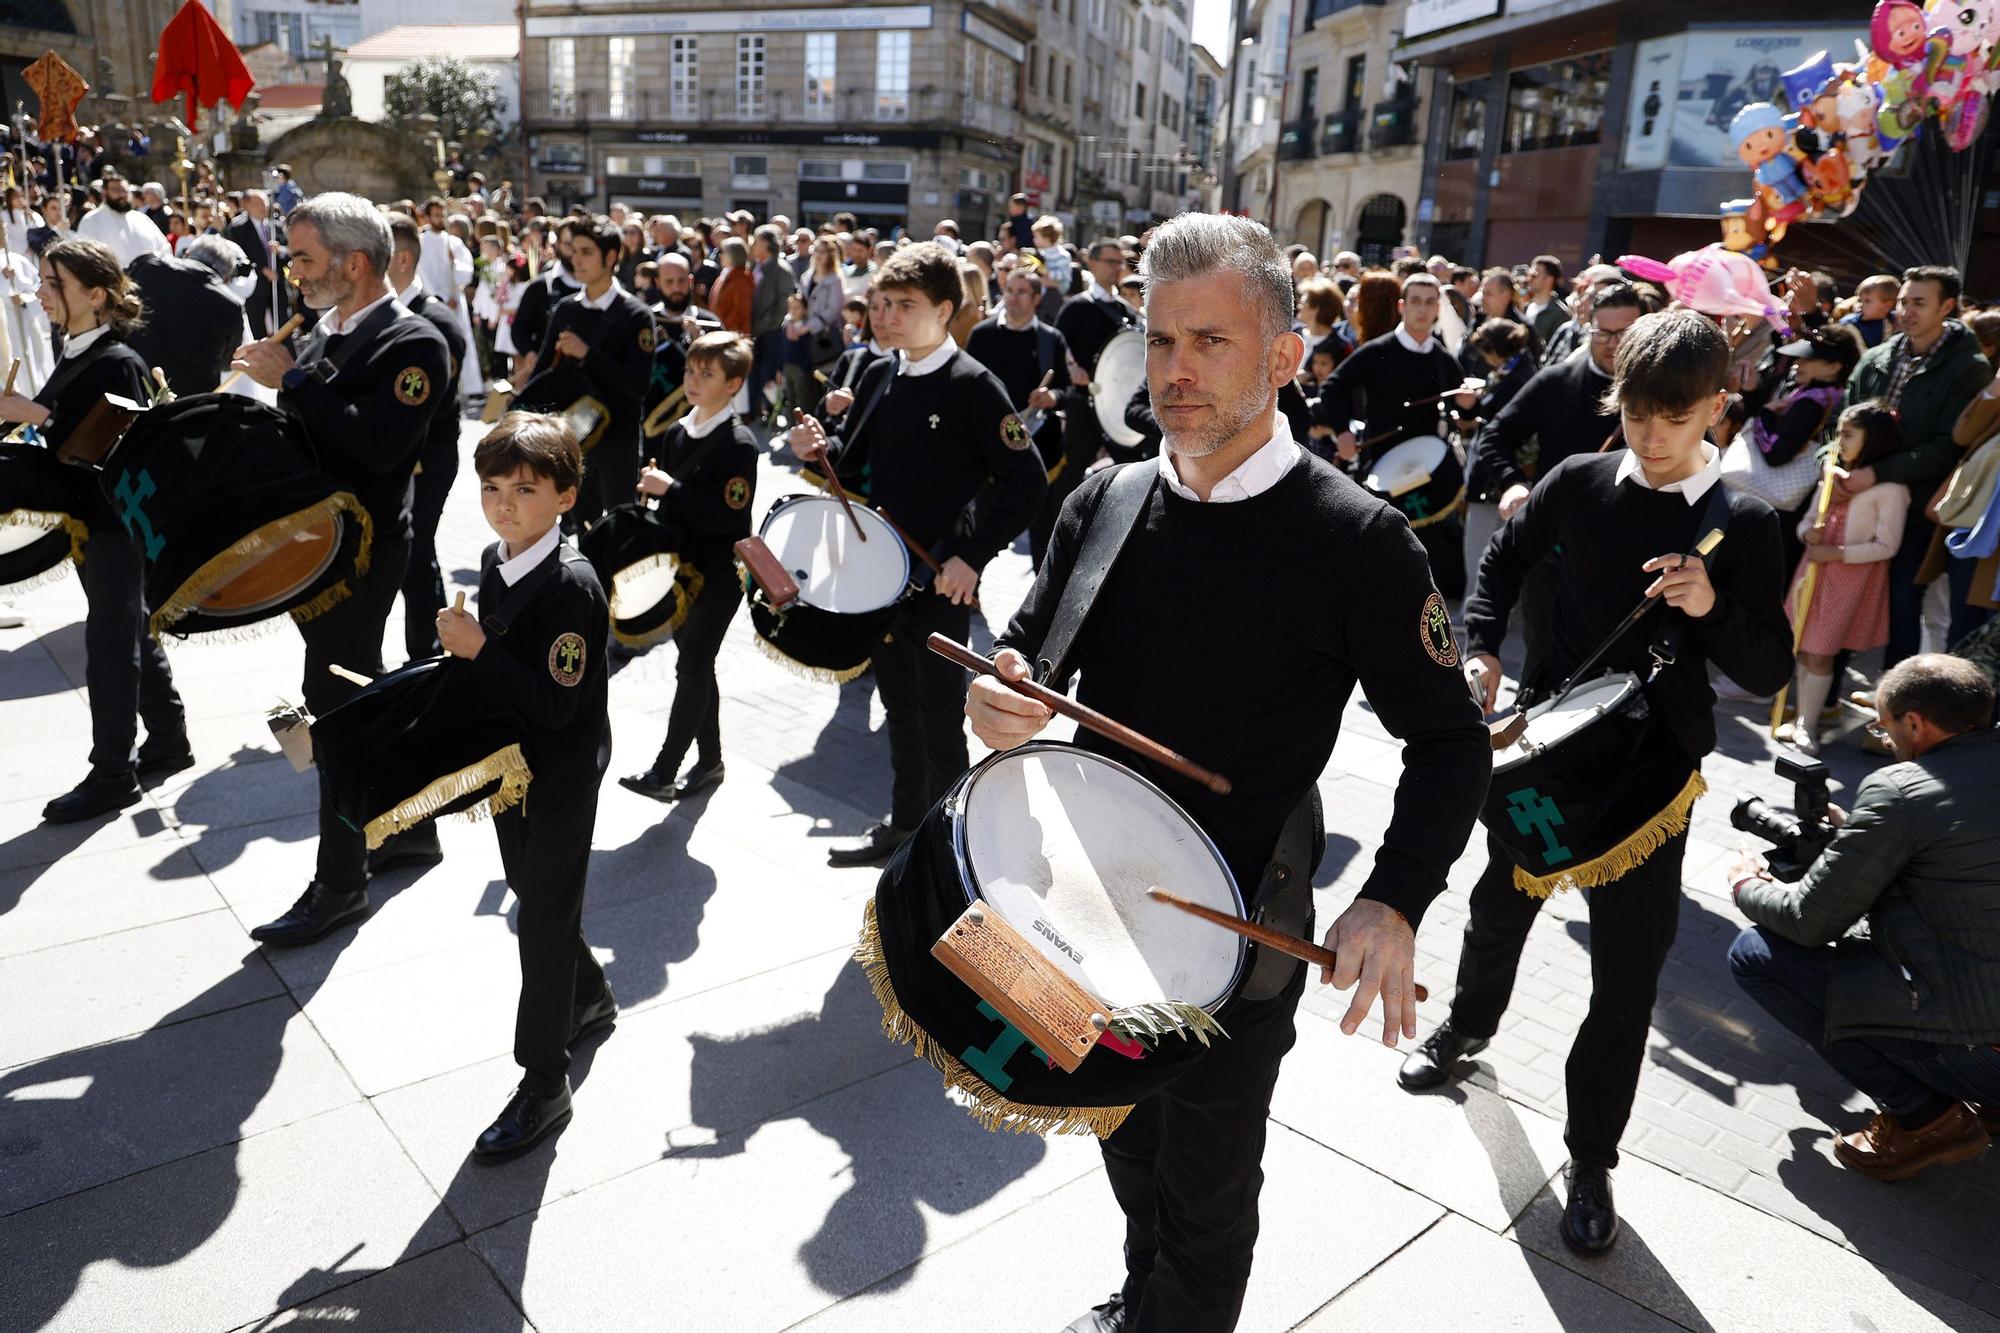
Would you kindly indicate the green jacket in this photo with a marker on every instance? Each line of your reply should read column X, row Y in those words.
column 1932, row 400
column 1917, row 867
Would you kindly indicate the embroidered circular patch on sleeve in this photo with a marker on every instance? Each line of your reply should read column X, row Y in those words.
column 1435, row 631
column 413, row 387
column 737, row 493
column 566, row 659
column 1013, row 432
column 647, row 338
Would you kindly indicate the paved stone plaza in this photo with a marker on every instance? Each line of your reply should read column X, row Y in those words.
column 196, row 1134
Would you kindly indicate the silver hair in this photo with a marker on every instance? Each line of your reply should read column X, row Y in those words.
column 1194, row 245
column 217, row 252
column 348, row 224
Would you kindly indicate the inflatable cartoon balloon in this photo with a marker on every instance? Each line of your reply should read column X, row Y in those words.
column 1812, row 91
column 1715, row 280
column 1901, row 52
column 1957, row 76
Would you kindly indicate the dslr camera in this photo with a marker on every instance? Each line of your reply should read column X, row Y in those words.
column 1797, row 838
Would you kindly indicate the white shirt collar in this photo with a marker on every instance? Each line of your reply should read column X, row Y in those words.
column 701, row 430
column 602, row 302
column 1403, row 337
column 80, row 343
column 1537, row 307
column 1691, row 488
column 945, row 351
column 333, row 323
column 410, row 293
column 1099, row 292
column 1253, row 476
column 1007, row 323
column 876, row 348
column 515, row 568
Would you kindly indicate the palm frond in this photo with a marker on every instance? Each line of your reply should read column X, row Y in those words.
column 1165, row 1018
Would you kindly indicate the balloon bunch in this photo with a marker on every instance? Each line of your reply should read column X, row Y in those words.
column 1812, row 156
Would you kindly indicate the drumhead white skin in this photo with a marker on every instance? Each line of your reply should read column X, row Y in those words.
column 1408, row 465
column 1547, row 726
column 1064, row 844
column 634, row 594
column 836, row 570
column 17, row 536
column 1121, row 369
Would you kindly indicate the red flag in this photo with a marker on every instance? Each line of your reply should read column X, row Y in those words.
column 59, row 88
column 198, row 59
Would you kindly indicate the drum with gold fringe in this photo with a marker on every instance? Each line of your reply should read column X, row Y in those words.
column 636, row 556
column 42, row 528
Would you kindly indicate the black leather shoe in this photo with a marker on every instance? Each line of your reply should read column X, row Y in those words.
column 1106, row 1318
column 1435, row 1061
column 871, row 848
column 661, row 787
column 318, row 913
column 1590, row 1222
column 99, row 794
column 158, row 758
column 600, row 1015
column 527, row 1120
column 417, row 849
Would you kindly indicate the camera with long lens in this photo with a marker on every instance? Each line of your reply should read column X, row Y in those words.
column 1798, row 837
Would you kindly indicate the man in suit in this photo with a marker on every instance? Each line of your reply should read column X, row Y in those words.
column 775, row 284
column 258, row 235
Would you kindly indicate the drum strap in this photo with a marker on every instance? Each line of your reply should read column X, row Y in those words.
column 853, row 433
column 1284, row 898
column 497, row 622
column 1117, row 514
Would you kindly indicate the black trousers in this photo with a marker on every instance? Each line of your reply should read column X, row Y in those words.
column 423, row 581
column 545, row 851
column 125, row 669
column 1186, row 1168
column 1633, row 921
column 1082, row 440
column 924, row 697
column 1444, row 543
column 610, row 478
column 696, row 716
column 350, row 635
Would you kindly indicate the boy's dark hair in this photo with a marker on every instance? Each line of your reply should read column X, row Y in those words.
column 1550, row 265
column 854, row 303
column 1409, row 267
column 1880, row 436
column 729, row 351
column 539, row 441
column 603, row 233
column 1952, row 692
column 928, row 268
column 1944, row 275
column 405, row 237
column 1502, row 337
column 1669, row 364
column 1614, row 294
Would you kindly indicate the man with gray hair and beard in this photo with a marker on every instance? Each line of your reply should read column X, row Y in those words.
column 1256, row 588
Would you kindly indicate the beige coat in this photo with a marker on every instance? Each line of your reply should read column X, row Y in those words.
column 1874, row 523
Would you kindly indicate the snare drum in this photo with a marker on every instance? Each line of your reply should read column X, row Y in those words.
column 42, row 524
column 562, row 389
column 1063, row 843
column 649, row 588
column 1121, row 372
column 848, row 588
column 235, row 520
column 1423, row 477
column 1591, row 787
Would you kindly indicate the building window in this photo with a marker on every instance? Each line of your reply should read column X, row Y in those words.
column 683, row 74
column 1139, row 100
column 638, row 164
column 750, row 171
column 1069, row 69
column 288, row 30
column 1034, row 71
column 892, row 76
column 1558, row 105
column 1145, row 33
column 1097, row 14
column 621, row 54
column 749, row 78
column 898, row 172
column 562, row 76
column 1465, row 135
column 819, row 75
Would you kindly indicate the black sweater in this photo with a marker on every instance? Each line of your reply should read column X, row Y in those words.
column 1601, row 531
column 932, row 445
column 620, row 358
column 1235, row 633
column 1375, row 382
column 715, row 479
column 440, row 450
column 1562, row 408
column 1019, row 358
column 550, row 668
column 538, row 299
column 1087, row 323
column 193, row 323
column 79, row 383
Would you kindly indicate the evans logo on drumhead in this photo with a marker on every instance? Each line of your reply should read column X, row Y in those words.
column 1049, row 933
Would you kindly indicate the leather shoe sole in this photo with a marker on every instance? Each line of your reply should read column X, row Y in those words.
column 280, row 936
column 1422, row 1077
column 64, row 810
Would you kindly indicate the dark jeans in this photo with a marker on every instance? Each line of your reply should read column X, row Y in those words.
column 1187, row 1166
column 767, row 361
column 350, row 635
column 1633, row 921
column 423, row 581
column 1916, row 1081
column 1906, row 596
column 547, row 861
column 125, row 669
column 696, row 716
column 924, row 697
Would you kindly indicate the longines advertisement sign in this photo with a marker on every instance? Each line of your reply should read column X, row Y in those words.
column 731, row 20
column 811, row 138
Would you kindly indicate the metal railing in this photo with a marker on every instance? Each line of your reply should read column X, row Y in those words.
column 937, row 107
column 1394, row 123
column 1295, row 140
column 1340, row 132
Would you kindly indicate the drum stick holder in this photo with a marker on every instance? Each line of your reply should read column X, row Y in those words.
column 997, row 964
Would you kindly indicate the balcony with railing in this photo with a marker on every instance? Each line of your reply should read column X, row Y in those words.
column 1340, row 132
column 857, row 108
column 1394, row 123
column 1295, row 140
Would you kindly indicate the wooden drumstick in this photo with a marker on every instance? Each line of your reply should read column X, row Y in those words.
column 840, row 494
column 13, row 371
column 284, row 331
column 1290, row 945
column 1088, row 718
column 353, row 677
column 459, row 605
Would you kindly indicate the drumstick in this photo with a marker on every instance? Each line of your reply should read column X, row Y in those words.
column 354, row 677
column 12, row 371
column 284, row 331
column 1709, row 541
column 1291, row 945
column 459, row 605
column 1088, row 718
column 930, row 561
column 1470, row 386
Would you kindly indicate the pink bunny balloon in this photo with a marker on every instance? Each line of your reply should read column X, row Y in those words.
column 1713, row 280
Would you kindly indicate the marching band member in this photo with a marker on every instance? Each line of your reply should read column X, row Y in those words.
column 608, row 333
column 1022, row 350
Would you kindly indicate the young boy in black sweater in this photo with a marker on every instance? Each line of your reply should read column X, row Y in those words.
column 539, row 645
column 1621, row 522
column 705, row 491
column 608, row 334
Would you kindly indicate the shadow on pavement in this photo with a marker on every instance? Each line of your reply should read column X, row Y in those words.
column 824, row 777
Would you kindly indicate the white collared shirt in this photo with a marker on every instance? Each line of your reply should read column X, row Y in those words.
column 698, row 430
column 876, row 348
column 945, row 351
column 514, row 568
column 410, row 293
column 1689, row 488
column 1403, row 337
column 1253, row 476
column 80, row 343
column 333, row 323
column 1537, row 307
column 601, row 302
column 1099, row 292
column 1007, row 322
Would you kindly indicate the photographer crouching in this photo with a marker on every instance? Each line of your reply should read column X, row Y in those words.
column 1885, row 956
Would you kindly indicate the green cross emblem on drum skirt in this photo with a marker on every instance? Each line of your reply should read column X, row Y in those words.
column 1533, row 812
column 1417, row 505
column 131, row 500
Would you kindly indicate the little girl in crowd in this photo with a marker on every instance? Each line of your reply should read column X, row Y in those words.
column 1849, row 610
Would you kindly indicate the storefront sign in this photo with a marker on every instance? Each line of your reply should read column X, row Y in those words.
column 993, row 35
column 1424, row 16
column 1723, row 70
column 1656, row 72
column 731, row 20
column 718, row 134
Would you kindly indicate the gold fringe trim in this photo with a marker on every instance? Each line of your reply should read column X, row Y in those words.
column 1602, row 870
column 225, row 566
column 813, row 479
column 1441, row 515
column 798, row 668
column 327, row 599
column 986, row 1106
column 686, row 591
column 47, row 520
column 509, row 767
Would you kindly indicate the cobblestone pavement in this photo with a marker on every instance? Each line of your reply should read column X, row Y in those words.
column 197, row 1134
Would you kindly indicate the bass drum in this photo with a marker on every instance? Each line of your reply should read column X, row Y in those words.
column 1121, row 372
column 42, row 524
column 848, row 588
